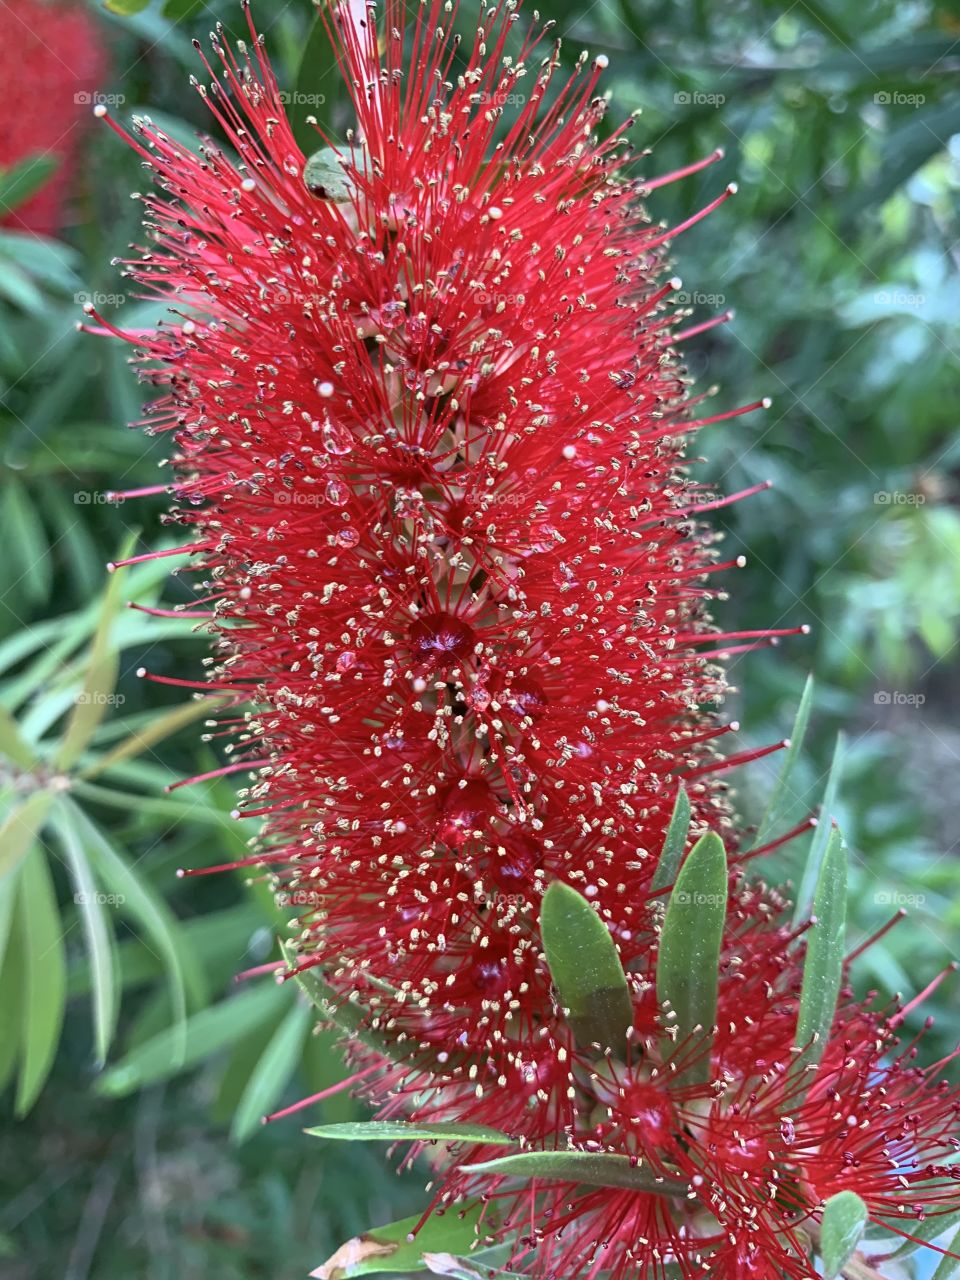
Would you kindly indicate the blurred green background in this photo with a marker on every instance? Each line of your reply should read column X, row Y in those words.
column 840, row 256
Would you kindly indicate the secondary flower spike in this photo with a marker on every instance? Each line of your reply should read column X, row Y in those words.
column 52, row 50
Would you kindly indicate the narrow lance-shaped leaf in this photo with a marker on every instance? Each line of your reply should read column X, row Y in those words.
column 139, row 900
column 585, row 968
column 20, row 828
column 98, row 932
column 821, row 837
column 594, row 1169
column 99, row 679
column 40, row 933
column 823, row 965
column 272, row 1072
column 317, row 84
column 674, row 843
column 689, row 953
column 844, row 1218
column 395, row 1248
column 406, row 1131
column 783, row 800
column 949, row 1264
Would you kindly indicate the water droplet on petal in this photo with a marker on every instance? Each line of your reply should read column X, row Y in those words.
column 335, row 439
column 338, row 495
column 346, row 661
column 347, row 536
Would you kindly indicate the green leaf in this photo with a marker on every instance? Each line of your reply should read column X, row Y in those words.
column 22, row 180
column 273, row 1070
column 324, row 177
column 139, row 900
column 12, row 744
column 585, row 968
column 205, row 1033
column 844, row 1218
column 40, row 932
column 783, row 799
column 823, row 965
column 99, row 681
column 99, row 936
column 689, row 953
column 673, row 844
column 155, row 731
column 405, row 1131
column 589, row 1168
column 342, row 1013
column 317, row 85
column 20, row 828
column 126, row 8
column 933, row 1225
column 389, row 1248
column 948, row 1266
column 821, row 837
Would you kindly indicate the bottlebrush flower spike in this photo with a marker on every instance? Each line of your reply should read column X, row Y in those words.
column 52, row 51
column 428, row 447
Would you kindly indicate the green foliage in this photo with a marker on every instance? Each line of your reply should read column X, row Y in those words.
column 586, row 969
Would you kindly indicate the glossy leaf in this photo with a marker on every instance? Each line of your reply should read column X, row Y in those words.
column 155, row 730
column 689, row 950
column 585, row 968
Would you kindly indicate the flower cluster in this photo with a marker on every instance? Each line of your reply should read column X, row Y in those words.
column 427, row 420
column 54, row 48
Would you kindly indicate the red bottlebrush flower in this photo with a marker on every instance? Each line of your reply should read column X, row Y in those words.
column 51, row 50
column 737, row 1168
column 428, row 443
